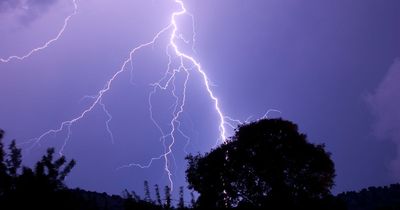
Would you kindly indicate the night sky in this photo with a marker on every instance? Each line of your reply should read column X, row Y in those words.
column 332, row 67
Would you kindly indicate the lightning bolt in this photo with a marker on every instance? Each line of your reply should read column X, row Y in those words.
column 186, row 65
column 99, row 96
column 169, row 78
column 233, row 123
column 49, row 42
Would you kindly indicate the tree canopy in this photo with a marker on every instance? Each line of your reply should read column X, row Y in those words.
column 267, row 163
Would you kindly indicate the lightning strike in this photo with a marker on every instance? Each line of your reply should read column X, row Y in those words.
column 265, row 116
column 186, row 65
column 198, row 68
column 105, row 110
column 49, row 42
column 179, row 106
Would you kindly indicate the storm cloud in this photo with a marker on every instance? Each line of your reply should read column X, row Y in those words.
column 385, row 103
column 27, row 10
column 7, row 5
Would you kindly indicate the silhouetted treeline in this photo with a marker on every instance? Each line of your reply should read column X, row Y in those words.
column 134, row 201
column 41, row 187
column 373, row 198
column 267, row 164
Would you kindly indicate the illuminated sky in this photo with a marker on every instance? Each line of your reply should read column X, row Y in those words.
column 332, row 67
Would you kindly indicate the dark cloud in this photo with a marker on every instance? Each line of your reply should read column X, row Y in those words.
column 7, row 5
column 385, row 104
column 27, row 10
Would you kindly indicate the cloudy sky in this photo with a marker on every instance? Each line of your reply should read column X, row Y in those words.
column 330, row 66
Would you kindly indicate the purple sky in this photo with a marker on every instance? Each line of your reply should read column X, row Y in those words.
column 331, row 66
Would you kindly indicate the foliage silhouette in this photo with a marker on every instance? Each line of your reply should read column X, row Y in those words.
column 192, row 200
column 14, row 160
column 134, row 201
column 373, row 198
column 158, row 196
column 168, row 200
column 147, row 196
column 39, row 188
column 233, row 175
column 266, row 164
column 181, row 202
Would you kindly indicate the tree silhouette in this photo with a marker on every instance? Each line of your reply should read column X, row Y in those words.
column 181, row 202
column 158, row 196
column 167, row 192
column 133, row 201
column 3, row 169
column 41, row 188
column 13, row 161
column 147, row 196
column 373, row 198
column 50, row 173
column 267, row 163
